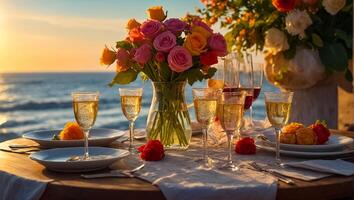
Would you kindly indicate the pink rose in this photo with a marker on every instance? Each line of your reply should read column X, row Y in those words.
column 143, row 54
column 175, row 25
column 179, row 59
column 218, row 44
column 122, row 57
column 159, row 57
column 165, row 41
column 151, row 28
column 202, row 24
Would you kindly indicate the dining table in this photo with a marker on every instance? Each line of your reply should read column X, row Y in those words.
column 73, row 186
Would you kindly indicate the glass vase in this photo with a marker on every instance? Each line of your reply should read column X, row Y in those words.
column 168, row 119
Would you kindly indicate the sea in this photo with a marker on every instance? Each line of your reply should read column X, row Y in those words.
column 38, row 101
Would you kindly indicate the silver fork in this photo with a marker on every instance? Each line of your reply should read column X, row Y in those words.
column 114, row 173
column 279, row 176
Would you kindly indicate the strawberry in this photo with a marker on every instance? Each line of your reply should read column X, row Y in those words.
column 321, row 130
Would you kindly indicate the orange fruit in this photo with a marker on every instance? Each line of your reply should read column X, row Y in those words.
column 215, row 83
column 71, row 131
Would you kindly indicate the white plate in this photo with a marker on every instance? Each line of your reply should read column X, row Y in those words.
column 98, row 137
column 308, row 154
column 56, row 159
column 335, row 142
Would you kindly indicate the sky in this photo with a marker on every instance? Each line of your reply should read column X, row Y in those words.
column 68, row 35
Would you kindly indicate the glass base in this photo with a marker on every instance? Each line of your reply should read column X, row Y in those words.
column 229, row 166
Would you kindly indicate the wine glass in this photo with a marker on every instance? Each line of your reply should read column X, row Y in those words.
column 217, row 81
column 257, row 75
column 85, row 106
column 230, row 113
column 278, row 106
column 131, row 105
column 205, row 104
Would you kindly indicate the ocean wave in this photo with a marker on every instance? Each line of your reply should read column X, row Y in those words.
column 50, row 105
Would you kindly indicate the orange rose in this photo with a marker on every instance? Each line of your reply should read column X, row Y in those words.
column 132, row 23
column 135, row 35
column 195, row 43
column 107, row 57
column 201, row 30
column 157, row 13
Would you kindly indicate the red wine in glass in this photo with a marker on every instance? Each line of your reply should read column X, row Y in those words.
column 256, row 92
column 249, row 94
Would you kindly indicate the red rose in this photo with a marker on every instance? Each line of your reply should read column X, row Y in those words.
column 245, row 146
column 152, row 151
column 159, row 57
column 321, row 131
column 284, row 5
column 209, row 58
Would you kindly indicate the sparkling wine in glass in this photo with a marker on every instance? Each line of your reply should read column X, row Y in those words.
column 230, row 113
column 278, row 106
column 131, row 106
column 85, row 106
column 205, row 105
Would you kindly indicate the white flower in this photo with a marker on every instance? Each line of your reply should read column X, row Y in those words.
column 297, row 22
column 275, row 41
column 333, row 6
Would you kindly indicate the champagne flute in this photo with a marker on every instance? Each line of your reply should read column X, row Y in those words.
column 278, row 106
column 85, row 106
column 205, row 104
column 131, row 105
column 230, row 113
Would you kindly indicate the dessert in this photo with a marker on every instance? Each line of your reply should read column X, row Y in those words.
column 305, row 136
column 297, row 133
column 71, row 131
column 288, row 133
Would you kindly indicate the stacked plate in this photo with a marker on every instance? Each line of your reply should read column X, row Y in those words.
column 336, row 146
column 64, row 155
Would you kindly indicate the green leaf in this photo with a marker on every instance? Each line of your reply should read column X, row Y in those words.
column 345, row 37
column 124, row 45
column 124, row 78
column 272, row 17
column 211, row 72
column 316, row 40
column 193, row 75
column 348, row 75
column 334, row 56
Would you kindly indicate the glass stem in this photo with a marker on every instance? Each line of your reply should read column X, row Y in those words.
column 205, row 145
column 251, row 116
column 229, row 146
column 131, row 135
column 277, row 146
column 86, row 154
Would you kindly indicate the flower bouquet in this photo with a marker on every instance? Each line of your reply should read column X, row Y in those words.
column 304, row 40
column 169, row 52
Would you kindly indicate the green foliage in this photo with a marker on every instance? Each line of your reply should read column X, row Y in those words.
column 316, row 40
column 124, row 78
column 124, row 45
column 334, row 56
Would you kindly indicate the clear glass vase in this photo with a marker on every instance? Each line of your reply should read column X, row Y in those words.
column 168, row 119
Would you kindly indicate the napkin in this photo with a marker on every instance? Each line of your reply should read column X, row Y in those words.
column 338, row 166
column 16, row 188
column 305, row 175
column 180, row 178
